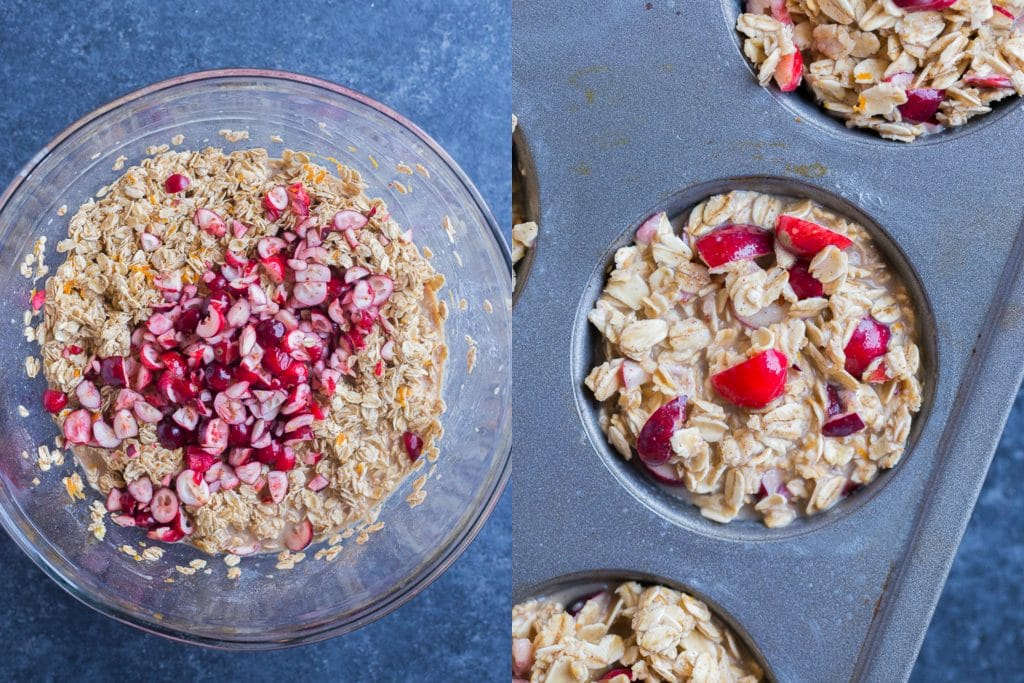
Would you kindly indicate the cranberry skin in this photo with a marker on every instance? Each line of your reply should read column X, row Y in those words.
column 218, row 377
column 238, row 434
column 285, row 461
column 220, row 300
column 268, row 455
column 54, row 401
column 334, row 287
column 276, row 360
column 297, row 373
column 217, row 284
column 188, row 321
column 413, row 445
column 170, row 434
column 176, row 182
column 270, row 332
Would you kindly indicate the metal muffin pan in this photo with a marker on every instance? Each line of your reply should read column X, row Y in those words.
column 630, row 110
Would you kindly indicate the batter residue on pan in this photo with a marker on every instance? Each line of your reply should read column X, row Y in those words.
column 629, row 633
column 765, row 359
column 243, row 352
column 902, row 68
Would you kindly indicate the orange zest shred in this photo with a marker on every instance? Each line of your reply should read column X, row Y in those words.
column 402, row 394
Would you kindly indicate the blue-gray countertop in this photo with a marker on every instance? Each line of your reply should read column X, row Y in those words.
column 444, row 64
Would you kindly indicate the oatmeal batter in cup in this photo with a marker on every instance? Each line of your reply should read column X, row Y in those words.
column 765, row 359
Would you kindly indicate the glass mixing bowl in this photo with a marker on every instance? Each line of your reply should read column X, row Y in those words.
column 265, row 607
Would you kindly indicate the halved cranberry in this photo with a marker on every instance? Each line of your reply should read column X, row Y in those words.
column 218, row 376
column 270, row 332
column 789, row 72
column 870, row 340
column 628, row 673
column 170, row 434
column 755, row 382
column 654, row 443
column 734, row 242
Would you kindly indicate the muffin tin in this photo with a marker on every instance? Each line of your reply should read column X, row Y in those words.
column 652, row 106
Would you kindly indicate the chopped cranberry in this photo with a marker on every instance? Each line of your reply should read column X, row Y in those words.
column 654, row 444
column 218, row 376
column 268, row 455
column 171, row 435
column 270, row 332
column 54, row 401
column 238, row 434
column 217, row 284
column 188, row 321
column 175, row 364
column 198, row 460
column 113, row 371
column 285, row 461
column 276, row 360
column 413, row 444
column 296, row 373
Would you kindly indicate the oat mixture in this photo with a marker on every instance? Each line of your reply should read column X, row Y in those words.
column 243, row 352
column 631, row 633
column 901, row 68
column 765, row 358
column 524, row 232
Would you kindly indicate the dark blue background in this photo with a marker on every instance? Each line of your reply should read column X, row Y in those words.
column 443, row 64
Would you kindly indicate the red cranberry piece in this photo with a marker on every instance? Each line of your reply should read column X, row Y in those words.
column 170, row 434
column 654, row 444
column 113, row 371
column 269, row 454
column 217, row 284
column 804, row 285
column 220, row 300
column 335, row 286
column 869, row 341
column 413, row 445
column 276, row 360
column 297, row 373
column 922, row 104
column 218, row 376
column 285, row 461
column 198, row 460
column 226, row 351
column 755, row 382
column 238, row 434
column 54, row 401
column 805, row 238
column 175, row 364
column 734, row 242
column 923, row 5
column 188, row 321
column 843, row 425
column 176, row 182
column 270, row 332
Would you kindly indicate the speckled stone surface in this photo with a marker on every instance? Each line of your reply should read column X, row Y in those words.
column 445, row 65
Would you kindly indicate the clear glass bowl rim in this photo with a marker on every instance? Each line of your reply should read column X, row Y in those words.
column 427, row 575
